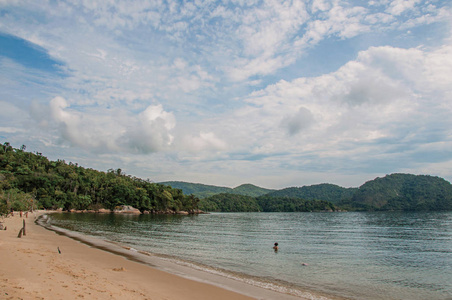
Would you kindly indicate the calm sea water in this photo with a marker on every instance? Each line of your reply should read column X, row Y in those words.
column 371, row 255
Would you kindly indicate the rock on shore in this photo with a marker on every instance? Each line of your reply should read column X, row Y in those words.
column 126, row 209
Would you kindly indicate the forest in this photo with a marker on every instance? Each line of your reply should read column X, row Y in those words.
column 30, row 181
column 402, row 192
column 239, row 203
column 205, row 191
column 394, row 192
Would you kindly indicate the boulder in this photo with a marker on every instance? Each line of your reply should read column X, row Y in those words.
column 126, row 209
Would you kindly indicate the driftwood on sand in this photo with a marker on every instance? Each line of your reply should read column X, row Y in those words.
column 22, row 231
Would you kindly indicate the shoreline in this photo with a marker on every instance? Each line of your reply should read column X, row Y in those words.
column 32, row 267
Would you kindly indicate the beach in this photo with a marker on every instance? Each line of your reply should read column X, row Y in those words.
column 45, row 264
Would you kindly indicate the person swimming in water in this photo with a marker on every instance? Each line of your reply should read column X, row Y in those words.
column 275, row 247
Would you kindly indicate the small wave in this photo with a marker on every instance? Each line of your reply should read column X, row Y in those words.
column 268, row 284
column 281, row 287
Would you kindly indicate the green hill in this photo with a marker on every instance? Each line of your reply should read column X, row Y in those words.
column 250, row 190
column 197, row 189
column 30, row 181
column 403, row 192
column 325, row 191
column 204, row 191
column 392, row 192
column 225, row 202
column 238, row 203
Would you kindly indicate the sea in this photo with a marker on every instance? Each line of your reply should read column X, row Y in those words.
column 350, row 255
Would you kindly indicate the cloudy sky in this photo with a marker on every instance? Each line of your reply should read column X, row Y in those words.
column 273, row 93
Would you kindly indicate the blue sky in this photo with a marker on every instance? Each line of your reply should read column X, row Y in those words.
column 273, row 93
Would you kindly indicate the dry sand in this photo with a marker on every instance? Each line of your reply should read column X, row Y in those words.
column 32, row 268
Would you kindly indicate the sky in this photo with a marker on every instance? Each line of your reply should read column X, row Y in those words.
column 272, row 93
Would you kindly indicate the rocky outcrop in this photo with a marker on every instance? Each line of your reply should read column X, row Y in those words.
column 126, row 209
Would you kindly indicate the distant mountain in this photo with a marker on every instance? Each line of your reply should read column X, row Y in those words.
column 28, row 180
column 325, row 191
column 197, row 189
column 226, row 202
column 204, row 191
column 250, row 190
column 403, row 192
column 239, row 203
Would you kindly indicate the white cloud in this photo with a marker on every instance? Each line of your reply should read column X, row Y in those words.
column 109, row 131
column 97, row 38
column 151, row 130
column 397, row 7
column 233, row 73
column 204, row 141
column 9, row 111
column 371, row 104
column 11, row 130
column 382, row 18
column 299, row 121
column 320, row 5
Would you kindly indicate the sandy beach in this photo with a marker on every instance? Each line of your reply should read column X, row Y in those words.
column 46, row 265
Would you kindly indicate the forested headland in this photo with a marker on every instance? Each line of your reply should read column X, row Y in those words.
column 30, row 181
column 240, row 203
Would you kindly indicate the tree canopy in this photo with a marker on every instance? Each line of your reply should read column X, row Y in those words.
column 238, row 203
column 29, row 180
column 205, row 191
column 403, row 192
column 324, row 191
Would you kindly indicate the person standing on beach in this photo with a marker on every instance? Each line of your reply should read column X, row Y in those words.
column 275, row 247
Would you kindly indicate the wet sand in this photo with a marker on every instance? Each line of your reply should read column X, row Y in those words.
column 32, row 267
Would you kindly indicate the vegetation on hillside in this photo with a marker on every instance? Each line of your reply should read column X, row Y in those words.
column 239, row 203
column 402, row 192
column 199, row 190
column 250, row 190
column 287, row 204
column 205, row 191
column 325, row 191
column 29, row 180
column 229, row 203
